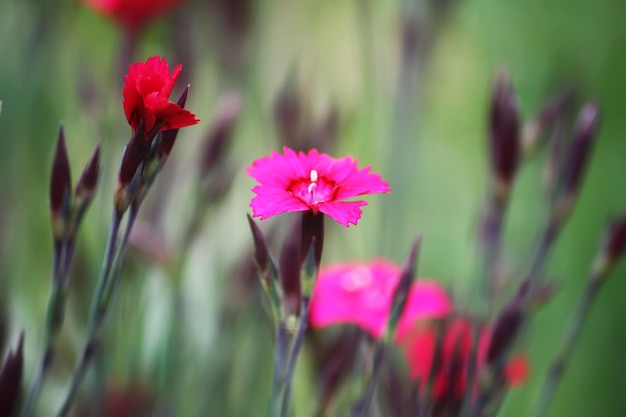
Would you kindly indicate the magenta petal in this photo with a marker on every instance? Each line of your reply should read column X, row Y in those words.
column 269, row 204
column 356, row 293
column 318, row 181
column 427, row 300
column 343, row 213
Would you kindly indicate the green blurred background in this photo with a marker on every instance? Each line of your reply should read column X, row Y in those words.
column 422, row 126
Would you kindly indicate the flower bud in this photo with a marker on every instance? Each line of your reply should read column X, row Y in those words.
column 538, row 131
column 265, row 264
column 289, row 114
column 577, row 158
column 86, row 186
column 401, row 293
column 60, row 189
column 226, row 114
column 504, row 134
column 11, row 376
column 505, row 333
column 130, row 170
column 615, row 240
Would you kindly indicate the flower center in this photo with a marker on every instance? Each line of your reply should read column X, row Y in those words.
column 357, row 279
column 314, row 190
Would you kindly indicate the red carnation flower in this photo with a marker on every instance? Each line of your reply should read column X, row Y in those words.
column 132, row 14
column 312, row 181
column 147, row 88
column 450, row 383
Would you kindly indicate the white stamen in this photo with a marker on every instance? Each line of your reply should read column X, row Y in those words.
column 312, row 187
column 314, row 175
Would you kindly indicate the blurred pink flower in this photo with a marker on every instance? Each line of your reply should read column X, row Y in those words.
column 312, row 181
column 360, row 293
column 132, row 14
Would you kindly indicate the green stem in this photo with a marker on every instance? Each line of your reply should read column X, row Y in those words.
column 565, row 352
column 287, row 381
column 54, row 322
column 101, row 302
column 362, row 406
column 492, row 242
column 281, row 348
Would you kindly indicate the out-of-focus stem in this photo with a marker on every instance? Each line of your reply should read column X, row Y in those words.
column 42, row 373
column 576, row 323
column 402, row 142
column 101, row 302
column 281, row 348
column 548, row 237
column 491, row 241
column 292, row 360
column 362, row 406
column 54, row 320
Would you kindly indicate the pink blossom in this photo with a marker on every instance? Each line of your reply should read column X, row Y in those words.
column 312, row 181
column 360, row 293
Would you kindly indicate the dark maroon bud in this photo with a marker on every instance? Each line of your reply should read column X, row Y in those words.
column 312, row 233
column 504, row 142
column 290, row 263
column 288, row 114
column 576, row 161
column 505, row 333
column 261, row 250
column 219, row 184
column 555, row 109
column 60, row 182
column 401, row 292
column 133, row 158
column 168, row 137
column 216, row 141
column 134, row 154
column 86, row 187
column 324, row 133
column 4, row 323
column 615, row 239
column 11, row 380
column 539, row 130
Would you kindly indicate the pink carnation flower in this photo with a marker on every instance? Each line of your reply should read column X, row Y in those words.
column 360, row 293
column 312, row 181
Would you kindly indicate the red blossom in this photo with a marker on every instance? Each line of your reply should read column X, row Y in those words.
column 361, row 293
column 119, row 401
column 420, row 344
column 147, row 89
column 132, row 14
column 312, row 181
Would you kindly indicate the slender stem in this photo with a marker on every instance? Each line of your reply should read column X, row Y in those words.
column 293, row 357
column 54, row 321
column 361, row 407
column 101, row 302
column 281, row 348
column 118, row 261
column 548, row 237
column 467, row 408
column 573, row 331
column 42, row 373
column 79, row 372
column 105, row 272
column 491, row 241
